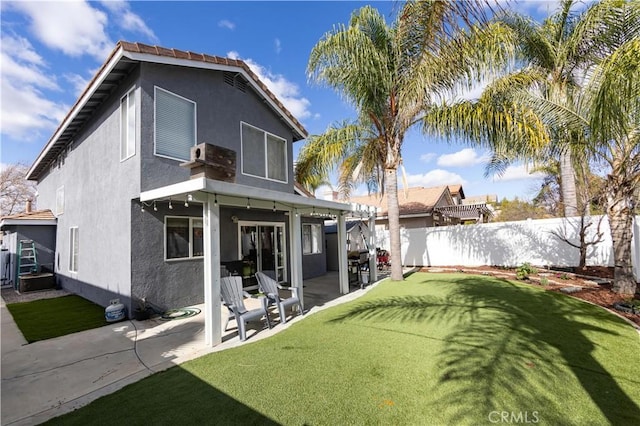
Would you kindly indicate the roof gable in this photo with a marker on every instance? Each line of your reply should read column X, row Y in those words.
column 124, row 57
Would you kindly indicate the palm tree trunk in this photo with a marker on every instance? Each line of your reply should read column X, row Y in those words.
column 393, row 211
column 568, row 185
column 620, row 215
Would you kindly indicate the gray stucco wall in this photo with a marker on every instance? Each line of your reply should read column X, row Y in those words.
column 220, row 108
column 98, row 189
column 166, row 284
column 314, row 265
column 171, row 284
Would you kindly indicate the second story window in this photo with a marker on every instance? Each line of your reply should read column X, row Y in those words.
column 175, row 125
column 59, row 201
column 128, row 125
column 263, row 154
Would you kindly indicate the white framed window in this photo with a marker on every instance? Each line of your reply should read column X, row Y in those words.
column 59, row 201
column 183, row 237
column 128, row 128
column 74, row 240
column 311, row 238
column 264, row 155
column 175, row 125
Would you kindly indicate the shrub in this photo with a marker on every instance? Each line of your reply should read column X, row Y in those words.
column 523, row 271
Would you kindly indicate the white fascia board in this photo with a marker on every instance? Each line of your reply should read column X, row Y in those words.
column 11, row 222
column 81, row 103
column 185, row 187
column 189, row 63
column 236, row 190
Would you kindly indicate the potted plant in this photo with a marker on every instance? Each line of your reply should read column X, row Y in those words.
column 142, row 311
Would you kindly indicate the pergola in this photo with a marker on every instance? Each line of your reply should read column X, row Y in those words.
column 213, row 193
column 478, row 212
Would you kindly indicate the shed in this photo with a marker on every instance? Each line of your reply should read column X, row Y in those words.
column 37, row 226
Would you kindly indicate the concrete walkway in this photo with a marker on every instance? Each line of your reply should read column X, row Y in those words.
column 46, row 379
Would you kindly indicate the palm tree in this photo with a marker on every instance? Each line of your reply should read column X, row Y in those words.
column 605, row 112
column 593, row 111
column 392, row 75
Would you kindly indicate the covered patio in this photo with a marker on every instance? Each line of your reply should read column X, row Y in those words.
column 212, row 194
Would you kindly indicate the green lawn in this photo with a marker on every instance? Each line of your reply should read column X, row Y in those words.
column 438, row 349
column 48, row 318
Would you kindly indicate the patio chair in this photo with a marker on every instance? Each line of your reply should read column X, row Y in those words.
column 270, row 287
column 233, row 298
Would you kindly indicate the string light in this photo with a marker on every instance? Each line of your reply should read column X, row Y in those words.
column 142, row 206
column 248, row 203
column 215, row 200
column 155, row 208
column 186, row 203
column 170, row 206
column 274, row 206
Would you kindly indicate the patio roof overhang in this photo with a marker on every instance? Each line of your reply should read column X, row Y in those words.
column 233, row 194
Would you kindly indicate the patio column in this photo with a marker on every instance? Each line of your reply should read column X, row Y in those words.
column 295, row 225
column 373, row 264
column 342, row 255
column 212, row 304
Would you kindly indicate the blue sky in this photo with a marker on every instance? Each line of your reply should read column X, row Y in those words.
column 50, row 51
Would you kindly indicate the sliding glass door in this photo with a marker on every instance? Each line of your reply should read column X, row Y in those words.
column 264, row 245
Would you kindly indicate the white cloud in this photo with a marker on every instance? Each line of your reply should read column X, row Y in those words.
column 24, row 72
column 75, row 28
column 463, row 158
column 128, row 20
column 428, row 157
column 435, row 177
column 226, row 24
column 79, row 82
column 25, row 110
column 286, row 91
column 278, row 45
column 520, row 172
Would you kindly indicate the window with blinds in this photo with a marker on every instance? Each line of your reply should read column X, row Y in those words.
column 264, row 155
column 175, row 125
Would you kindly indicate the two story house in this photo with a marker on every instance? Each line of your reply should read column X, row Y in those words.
column 134, row 223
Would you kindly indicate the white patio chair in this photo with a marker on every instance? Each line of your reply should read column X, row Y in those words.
column 270, row 287
column 233, row 298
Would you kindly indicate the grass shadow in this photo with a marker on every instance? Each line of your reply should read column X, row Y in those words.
column 160, row 397
column 511, row 346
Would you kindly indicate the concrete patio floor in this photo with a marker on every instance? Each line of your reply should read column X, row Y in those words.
column 45, row 379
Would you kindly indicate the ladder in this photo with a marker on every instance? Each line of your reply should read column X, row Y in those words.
column 27, row 259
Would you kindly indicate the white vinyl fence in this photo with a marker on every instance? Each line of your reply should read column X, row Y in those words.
column 508, row 244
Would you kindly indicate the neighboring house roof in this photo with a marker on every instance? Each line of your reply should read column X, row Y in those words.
column 456, row 190
column 419, row 201
column 38, row 217
column 120, row 62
